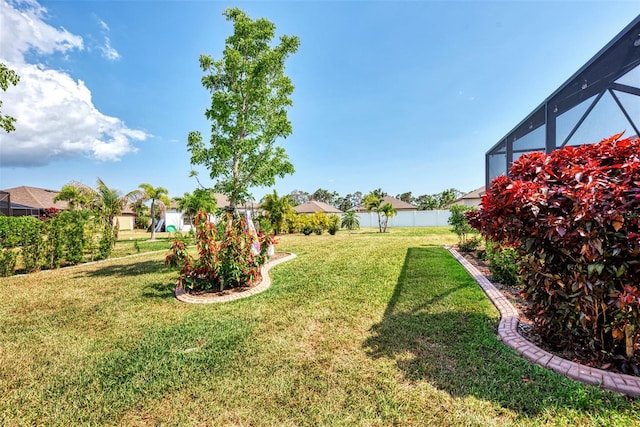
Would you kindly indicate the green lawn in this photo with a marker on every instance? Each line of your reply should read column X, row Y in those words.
column 359, row 329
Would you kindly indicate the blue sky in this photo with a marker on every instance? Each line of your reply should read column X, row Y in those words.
column 403, row 96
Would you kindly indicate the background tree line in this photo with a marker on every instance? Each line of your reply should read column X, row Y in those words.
column 353, row 200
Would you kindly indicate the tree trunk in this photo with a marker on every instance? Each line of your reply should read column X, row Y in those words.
column 153, row 222
column 628, row 335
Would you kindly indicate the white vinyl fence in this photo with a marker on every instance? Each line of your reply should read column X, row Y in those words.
column 435, row 218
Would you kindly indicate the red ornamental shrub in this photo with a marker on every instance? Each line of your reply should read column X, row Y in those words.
column 228, row 263
column 573, row 216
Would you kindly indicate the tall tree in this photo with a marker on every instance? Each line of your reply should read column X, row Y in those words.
column 325, row 196
column 447, row 197
column 405, row 197
column 7, row 77
column 297, row 197
column 345, row 203
column 379, row 193
column 159, row 196
column 250, row 95
column 427, row 202
column 276, row 208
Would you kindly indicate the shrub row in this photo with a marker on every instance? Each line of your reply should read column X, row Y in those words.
column 62, row 238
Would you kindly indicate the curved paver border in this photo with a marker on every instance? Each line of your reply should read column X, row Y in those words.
column 183, row 296
column 508, row 333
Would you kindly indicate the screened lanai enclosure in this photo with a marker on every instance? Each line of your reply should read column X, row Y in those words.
column 599, row 100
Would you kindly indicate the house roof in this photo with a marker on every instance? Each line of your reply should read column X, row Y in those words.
column 313, row 206
column 398, row 204
column 35, row 198
column 222, row 201
column 475, row 194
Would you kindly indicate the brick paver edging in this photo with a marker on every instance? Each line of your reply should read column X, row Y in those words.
column 508, row 333
column 183, row 296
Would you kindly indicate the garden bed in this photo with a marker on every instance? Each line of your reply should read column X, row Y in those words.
column 526, row 328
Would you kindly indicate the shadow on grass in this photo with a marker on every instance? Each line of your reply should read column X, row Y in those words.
column 126, row 268
column 440, row 327
column 159, row 290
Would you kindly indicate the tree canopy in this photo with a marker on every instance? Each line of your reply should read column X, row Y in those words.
column 7, row 76
column 250, row 95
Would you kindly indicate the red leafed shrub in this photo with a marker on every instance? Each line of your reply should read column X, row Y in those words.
column 572, row 215
column 231, row 262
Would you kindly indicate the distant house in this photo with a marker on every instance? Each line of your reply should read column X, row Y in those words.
column 314, row 206
column 222, row 202
column 180, row 222
column 398, row 205
column 33, row 201
column 473, row 198
column 127, row 219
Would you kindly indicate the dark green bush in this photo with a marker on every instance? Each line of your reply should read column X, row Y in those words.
column 13, row 229
column 460, row 226
column 503, row 264
column 7, row 262
column 470, row 244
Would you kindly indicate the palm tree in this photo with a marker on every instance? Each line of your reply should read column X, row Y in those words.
column 372, row 204
column 157, row 195
column 276, row 209
column 77, row 195
column 202, row 199
column 109, row 203
column 387, row 211
column 350, row 221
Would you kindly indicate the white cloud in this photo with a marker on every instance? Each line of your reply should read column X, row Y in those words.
column 109, row 52
column 57, row 119
column 55, row 114
column 103, row 25
column 23, row 24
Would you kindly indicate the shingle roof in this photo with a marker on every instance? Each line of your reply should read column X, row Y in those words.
column 35, row 198
column 222, row 201
column 313, row 206
column 398, row 204
column 475, row 194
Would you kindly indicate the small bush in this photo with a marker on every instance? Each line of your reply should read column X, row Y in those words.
column 334, row 224
column 307, row 229
column 7, row 262
column 462, row 228
column 503, row 264
column 470, row 244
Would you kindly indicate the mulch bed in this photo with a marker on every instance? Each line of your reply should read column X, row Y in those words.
column 526, row 328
